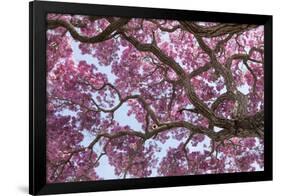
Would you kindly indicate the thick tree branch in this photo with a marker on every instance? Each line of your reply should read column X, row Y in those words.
column 104, row 35
column 217, row 30
column 183, row 77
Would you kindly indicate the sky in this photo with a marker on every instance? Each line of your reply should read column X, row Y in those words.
column 105, row 170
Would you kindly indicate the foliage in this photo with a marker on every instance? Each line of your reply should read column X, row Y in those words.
column 197, row 83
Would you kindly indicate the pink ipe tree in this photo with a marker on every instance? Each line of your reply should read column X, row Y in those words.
column 193, row 93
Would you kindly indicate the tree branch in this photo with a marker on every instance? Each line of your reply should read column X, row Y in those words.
column 103, row 36
column 217, row 30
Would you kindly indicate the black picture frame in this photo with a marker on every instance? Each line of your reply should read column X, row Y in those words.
column 37, row 97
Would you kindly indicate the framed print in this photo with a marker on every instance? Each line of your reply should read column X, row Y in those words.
column 127, row 97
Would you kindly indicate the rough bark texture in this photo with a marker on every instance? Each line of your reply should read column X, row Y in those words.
column 242, row 124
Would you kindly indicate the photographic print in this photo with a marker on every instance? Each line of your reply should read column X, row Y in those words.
column 143, row 98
